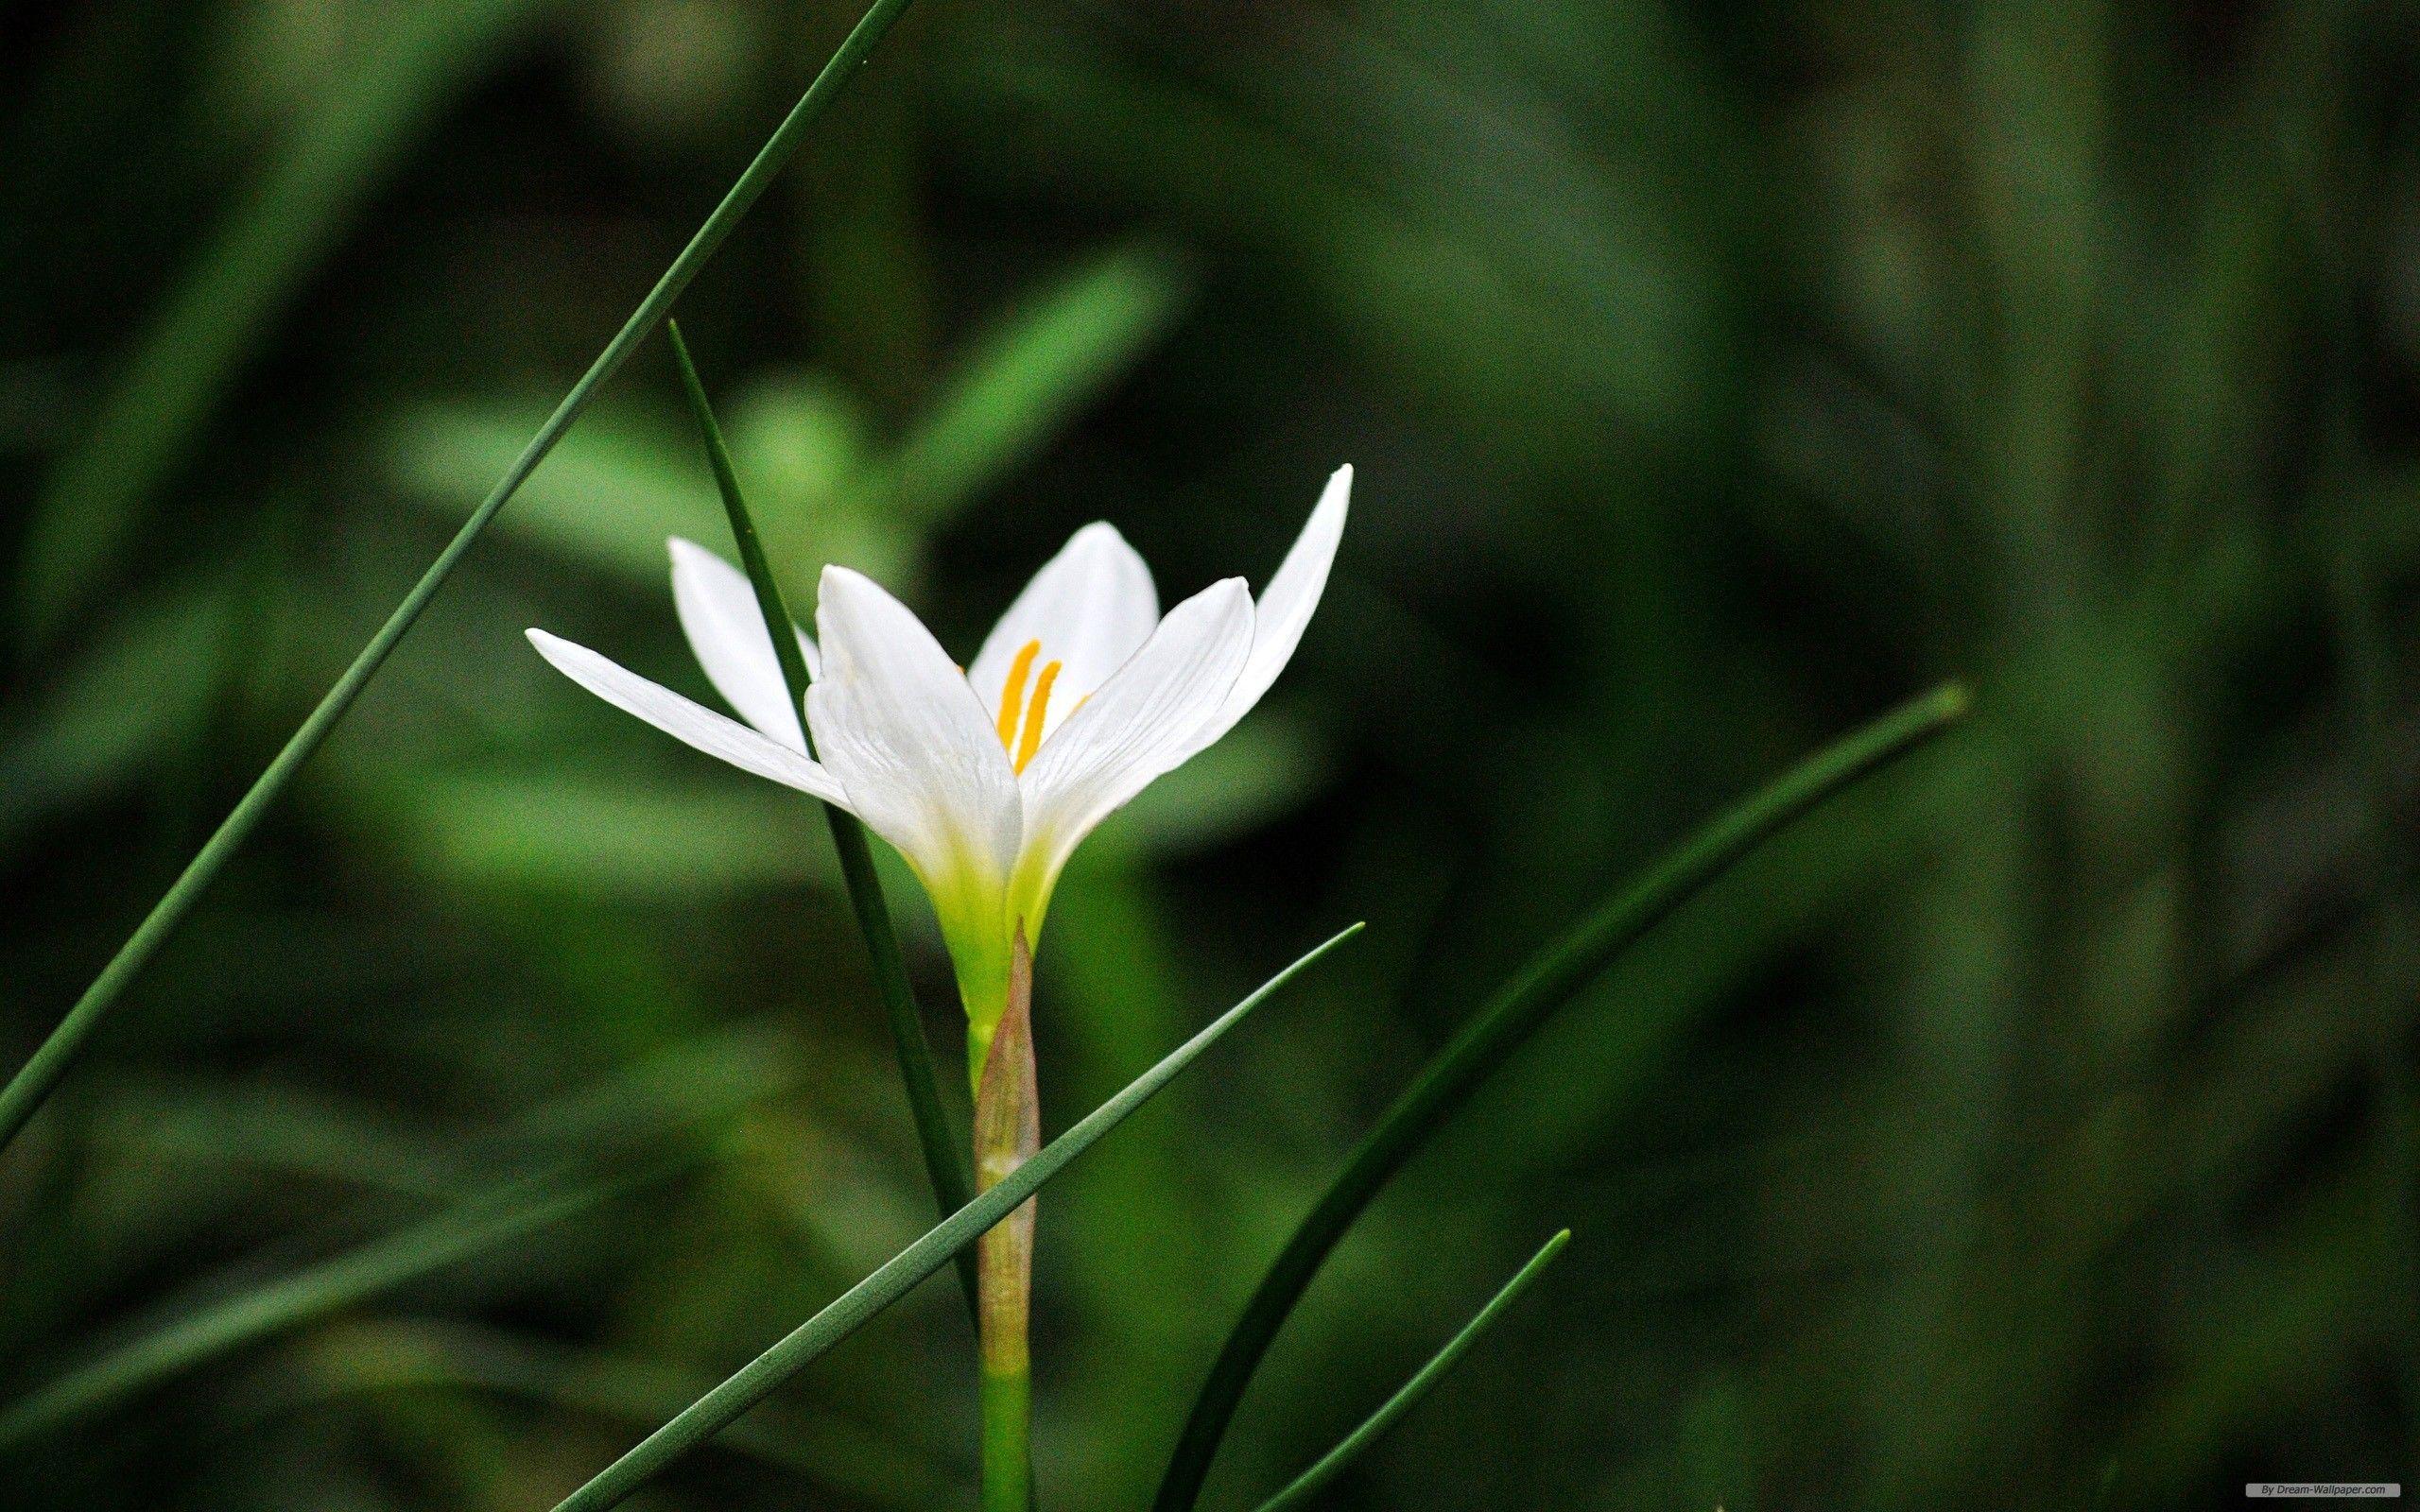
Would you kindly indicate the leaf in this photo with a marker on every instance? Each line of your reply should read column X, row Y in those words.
column 709, row 1413
column 1502, row 1026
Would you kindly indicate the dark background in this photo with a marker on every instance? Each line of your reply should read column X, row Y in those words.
column 2031, row 1129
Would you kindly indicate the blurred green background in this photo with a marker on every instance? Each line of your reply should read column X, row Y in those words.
column 2031, row 1128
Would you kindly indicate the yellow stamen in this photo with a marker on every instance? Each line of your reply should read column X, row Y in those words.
column 1033, row 714
column 1012, row 695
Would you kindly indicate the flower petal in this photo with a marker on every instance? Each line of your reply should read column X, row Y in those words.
column 1284, row 611
column 1091, row 607
column 720, row 737
column 1141, row 724
column 718, row 613
column 920, row 758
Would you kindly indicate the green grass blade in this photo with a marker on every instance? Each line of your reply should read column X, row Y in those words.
column 1332, row 1464
column 952, row 1187
column 299, row 1299
column 34, row 1081
column 899, row 1275
column 333, row 160
column 1501, row 1028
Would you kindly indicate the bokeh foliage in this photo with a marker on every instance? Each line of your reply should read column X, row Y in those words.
column 2035, row 1127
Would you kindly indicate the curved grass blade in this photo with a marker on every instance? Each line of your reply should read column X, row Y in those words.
column 858, row 1306
column 952, row 1187
column 1331, row 1463
column 33, row 1082
column 309, row 1293
column 270, row 242
column 1501, row 1027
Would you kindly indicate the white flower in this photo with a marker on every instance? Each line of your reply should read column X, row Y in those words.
column 986, row 778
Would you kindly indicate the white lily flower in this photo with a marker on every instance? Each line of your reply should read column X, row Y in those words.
column 985, row 778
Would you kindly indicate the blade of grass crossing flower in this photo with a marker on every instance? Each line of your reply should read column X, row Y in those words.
column 952, row 1186
column 1333, row 1463
column 900, row 1275
column 1506, row 1022
column 34, row 1080
column 309, row 1293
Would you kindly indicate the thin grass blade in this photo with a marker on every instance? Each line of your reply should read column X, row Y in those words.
column 310, row 1294
column 33, row 1082
column 1424, row 1381
column 1502, row 1026
column 856, row 1307
column 952, row 1186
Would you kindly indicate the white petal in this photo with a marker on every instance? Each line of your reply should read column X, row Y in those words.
column 898, row 726
column 718, row 613
column 723, row 738
column 1143, row 721
column 1284, row 610
column 1091, row 607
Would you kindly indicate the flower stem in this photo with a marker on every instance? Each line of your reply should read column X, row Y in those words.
column 1008, row 1130
column 1008, row 1437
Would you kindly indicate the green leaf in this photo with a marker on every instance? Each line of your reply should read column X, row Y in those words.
column 900, row 1275
column 34, row 1080
column 607, row 499
column 1424, row 1381
column 618, row 834
column 1502, row 1026
column 819, row 493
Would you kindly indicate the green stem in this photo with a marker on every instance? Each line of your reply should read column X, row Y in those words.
column 952, row 1188
column 1008, row 1437
column 1507, row 1022
column 1007, row 1131
column 35, row 1080
column 717, row 1410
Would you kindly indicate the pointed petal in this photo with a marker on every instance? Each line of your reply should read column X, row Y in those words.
column 899, row 727
column 718, row 613
column 718, row 736
column 1091, row 607
column 1143, row 721
column 1284, row 611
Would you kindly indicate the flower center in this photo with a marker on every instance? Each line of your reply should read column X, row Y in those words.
column 1013, row 703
